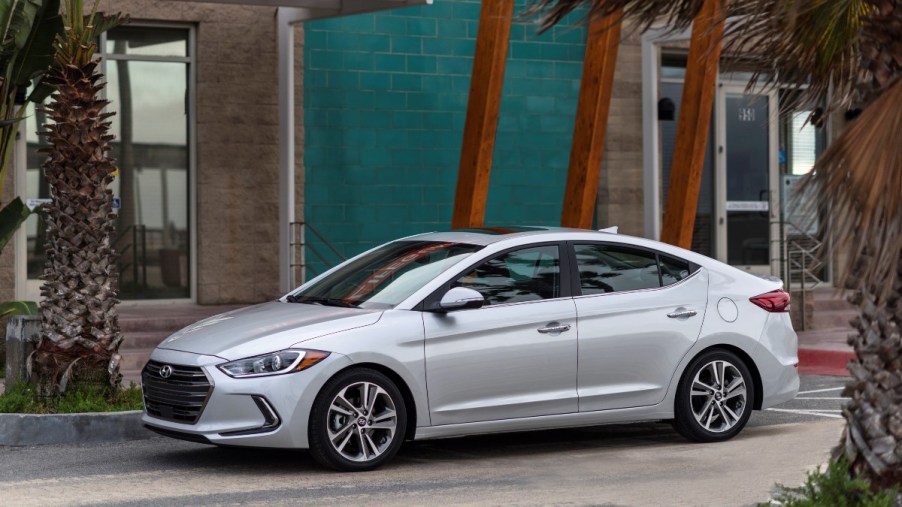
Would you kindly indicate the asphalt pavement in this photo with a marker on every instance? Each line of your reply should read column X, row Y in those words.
column 638, row 464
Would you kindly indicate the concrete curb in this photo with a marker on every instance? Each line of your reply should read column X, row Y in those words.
column 93, row 427
column 825, row 362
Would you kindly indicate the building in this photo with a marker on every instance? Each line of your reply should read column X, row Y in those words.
column 382, row 100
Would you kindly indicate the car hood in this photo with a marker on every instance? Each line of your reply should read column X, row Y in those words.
column 264, row 328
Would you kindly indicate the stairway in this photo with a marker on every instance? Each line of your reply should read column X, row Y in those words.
column 145, row 326
column 825, row 342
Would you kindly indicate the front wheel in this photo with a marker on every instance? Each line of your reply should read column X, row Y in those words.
column 714, row 398
column 358, row 421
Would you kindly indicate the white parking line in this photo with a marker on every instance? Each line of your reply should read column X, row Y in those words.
column 822, row 413
column 823, row 390
column 820, row 398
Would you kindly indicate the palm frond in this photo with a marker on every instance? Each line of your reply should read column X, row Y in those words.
column 810, row 47
column 676, row 15
column 859, row 179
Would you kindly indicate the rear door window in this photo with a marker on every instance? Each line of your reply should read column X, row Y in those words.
column 672, row 269
column 612, row 268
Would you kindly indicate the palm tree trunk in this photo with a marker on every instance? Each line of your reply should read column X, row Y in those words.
column 80, row 334
column 872, row 439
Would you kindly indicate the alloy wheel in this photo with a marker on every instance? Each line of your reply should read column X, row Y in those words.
column 718, row 396
column 362, row 421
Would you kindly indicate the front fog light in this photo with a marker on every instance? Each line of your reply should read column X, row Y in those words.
column 276, row 363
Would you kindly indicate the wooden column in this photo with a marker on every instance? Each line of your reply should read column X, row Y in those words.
column 591, row 121
column 693, row 123
column 482, row 113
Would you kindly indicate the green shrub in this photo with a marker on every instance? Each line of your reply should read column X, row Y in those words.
column 22, row 398
column 833, row 487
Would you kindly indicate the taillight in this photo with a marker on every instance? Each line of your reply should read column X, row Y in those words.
column 775, row 301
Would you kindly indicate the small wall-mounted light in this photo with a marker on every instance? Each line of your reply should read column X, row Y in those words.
column 817, row 117
column 853, row 113
column 666, row 109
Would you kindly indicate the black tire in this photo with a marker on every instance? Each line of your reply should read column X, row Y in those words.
column 367, row 447
column 717, row 408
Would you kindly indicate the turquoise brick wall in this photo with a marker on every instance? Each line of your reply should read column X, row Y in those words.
column 385, row 99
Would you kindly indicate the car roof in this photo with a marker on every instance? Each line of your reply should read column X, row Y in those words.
column 484, row 236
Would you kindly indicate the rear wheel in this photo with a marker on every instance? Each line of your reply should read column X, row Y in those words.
column 714, row 398
column 358, row 421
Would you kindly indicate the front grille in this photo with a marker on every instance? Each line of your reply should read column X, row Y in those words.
column 180, row 397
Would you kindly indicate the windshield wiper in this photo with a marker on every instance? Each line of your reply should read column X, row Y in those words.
column 320, row 301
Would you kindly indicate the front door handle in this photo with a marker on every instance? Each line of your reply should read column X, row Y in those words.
column 682, row 314
column 554, row 328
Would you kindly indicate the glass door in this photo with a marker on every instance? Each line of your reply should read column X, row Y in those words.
column 747, row 138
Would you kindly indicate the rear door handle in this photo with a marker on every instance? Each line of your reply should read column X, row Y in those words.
column 554, row 328
column 682, row 313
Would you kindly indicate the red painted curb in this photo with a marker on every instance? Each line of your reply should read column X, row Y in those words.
column 825, row 362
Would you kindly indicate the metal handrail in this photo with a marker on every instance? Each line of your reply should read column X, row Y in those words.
column 138, row 262
column 299, row 245
column 802, row 260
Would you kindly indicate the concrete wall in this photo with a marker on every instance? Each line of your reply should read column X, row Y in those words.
column 620, row 193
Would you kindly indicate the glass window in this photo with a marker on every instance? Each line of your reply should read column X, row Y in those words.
column 386, row 276
column 151, row 126
column 673, row 270
column 607, row 268
column 529, row 274
column 147, row 73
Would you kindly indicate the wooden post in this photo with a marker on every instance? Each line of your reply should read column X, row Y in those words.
column 591, row 121
column 482, row 113
column 693, row 123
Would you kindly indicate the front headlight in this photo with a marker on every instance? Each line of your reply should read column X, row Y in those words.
column 275, row 363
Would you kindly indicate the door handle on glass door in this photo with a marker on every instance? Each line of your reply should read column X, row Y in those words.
column 682, row 313
column 554, row 328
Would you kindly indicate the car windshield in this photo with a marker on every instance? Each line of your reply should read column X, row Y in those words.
column 386, row 276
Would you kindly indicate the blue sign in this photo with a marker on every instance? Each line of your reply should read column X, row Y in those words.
column 117, row 202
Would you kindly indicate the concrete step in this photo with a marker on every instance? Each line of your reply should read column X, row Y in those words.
column 130, row 376
column 165, row 317
column 143, row 340
column 833, row 319
column 829, row 305
column 134, row 359
column 830, row 299
column 168, row 325
column 828, row 339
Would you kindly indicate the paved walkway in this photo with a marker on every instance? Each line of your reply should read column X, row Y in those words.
column 644, row 464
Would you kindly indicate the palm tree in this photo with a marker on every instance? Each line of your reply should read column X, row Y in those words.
column 843, row 53
column 80, row 334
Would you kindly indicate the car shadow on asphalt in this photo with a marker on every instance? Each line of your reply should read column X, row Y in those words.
column 536, row 443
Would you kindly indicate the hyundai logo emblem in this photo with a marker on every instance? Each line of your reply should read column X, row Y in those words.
column 166, row 371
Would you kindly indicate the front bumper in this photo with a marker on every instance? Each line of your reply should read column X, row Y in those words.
column 258, row 412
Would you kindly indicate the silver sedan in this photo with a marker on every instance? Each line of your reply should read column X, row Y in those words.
column 481, row 331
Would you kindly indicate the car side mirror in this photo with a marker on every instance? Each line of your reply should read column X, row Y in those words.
column 461, row 298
